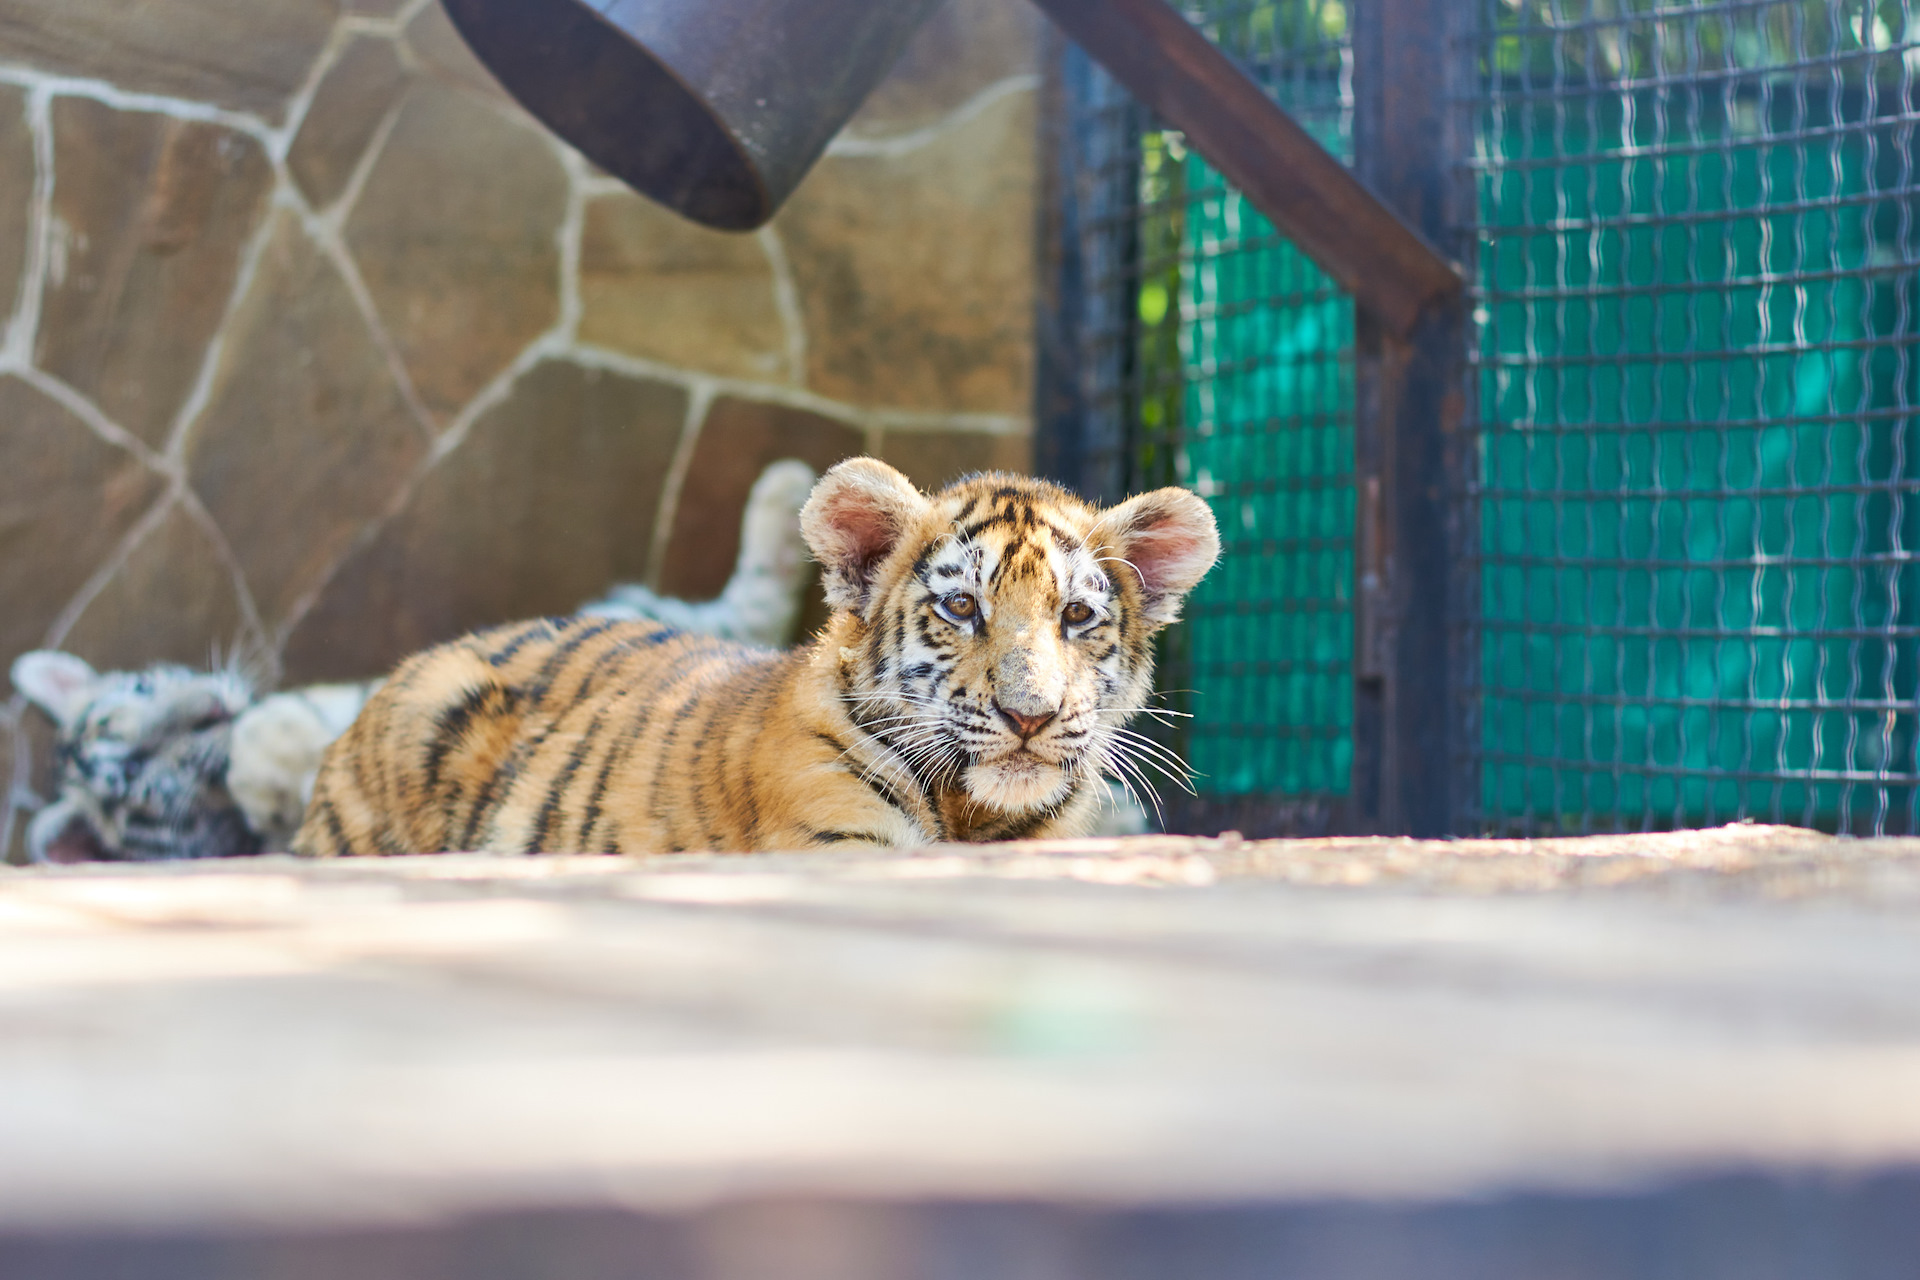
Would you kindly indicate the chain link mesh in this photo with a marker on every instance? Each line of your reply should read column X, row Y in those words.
column 1695, row 380
column 1222, row 359
column 1690, row 590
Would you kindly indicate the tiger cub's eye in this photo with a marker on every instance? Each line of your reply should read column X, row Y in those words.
column 1076, row 613
column 960, row 605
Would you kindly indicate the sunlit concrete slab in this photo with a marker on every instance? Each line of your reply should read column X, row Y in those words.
column 1070, row 1042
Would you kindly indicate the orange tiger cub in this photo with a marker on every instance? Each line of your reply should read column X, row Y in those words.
column 987, row 646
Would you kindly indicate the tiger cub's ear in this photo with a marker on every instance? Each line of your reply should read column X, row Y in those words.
column 852, row 521
column 1168, row 538
column 58, row 683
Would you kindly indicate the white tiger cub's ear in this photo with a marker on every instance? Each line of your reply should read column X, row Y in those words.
column 58, row 683
column 852, row 521
column 1168, row 538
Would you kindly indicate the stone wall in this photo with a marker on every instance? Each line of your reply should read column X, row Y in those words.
column 321, row 350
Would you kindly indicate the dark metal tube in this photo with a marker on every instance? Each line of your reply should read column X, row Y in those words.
column 715, row 108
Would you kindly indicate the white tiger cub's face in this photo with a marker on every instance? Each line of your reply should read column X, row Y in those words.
column 1007, row 625
column 143, row 761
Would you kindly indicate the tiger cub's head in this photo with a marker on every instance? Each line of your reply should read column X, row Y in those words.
column 998, row 634
column 142, row 761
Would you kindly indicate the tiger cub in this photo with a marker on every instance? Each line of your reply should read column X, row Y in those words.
column 142, row 761
column 986, row 648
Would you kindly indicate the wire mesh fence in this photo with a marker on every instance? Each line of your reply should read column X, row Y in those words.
column 1692, row 592
column 1222, row 359
column 1695, row 379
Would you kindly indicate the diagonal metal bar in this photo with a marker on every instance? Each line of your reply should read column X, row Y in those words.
column 1163, row 60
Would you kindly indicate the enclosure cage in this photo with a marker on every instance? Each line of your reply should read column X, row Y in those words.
column 1648, row 558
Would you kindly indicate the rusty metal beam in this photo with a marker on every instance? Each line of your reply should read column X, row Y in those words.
column 1389, row 268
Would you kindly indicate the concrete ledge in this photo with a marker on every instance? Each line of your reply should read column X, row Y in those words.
column 1083, row 1038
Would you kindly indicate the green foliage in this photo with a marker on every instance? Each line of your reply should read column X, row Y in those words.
column 1638, row 40
column 1310, row 37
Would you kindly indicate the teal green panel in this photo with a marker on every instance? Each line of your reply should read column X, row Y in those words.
column 1696, row 380
column 1266, row 408
column 1241, row 387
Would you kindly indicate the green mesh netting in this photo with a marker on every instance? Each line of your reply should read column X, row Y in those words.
column 1695, row 396
column 1267, row 401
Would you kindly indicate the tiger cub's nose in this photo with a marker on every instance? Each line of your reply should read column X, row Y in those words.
column 1024, row 725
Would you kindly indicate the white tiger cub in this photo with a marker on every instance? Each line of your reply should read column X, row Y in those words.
column 174, row 763
column 142, row 761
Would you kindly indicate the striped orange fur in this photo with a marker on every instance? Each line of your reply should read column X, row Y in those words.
column 987, row 646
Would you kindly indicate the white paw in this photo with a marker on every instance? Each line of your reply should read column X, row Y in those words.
column 276, row 751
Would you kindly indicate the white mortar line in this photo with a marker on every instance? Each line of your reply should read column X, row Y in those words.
column 548, row 345
column 986, row 424
column 786, row 295
column 409, row 60
column 17, row 359
column 255, row 626
column 901, row 144
column 438, row 447
column 24, row 326
column 334, row 247
column 555, row 343
column 699, row 401
column 595, row 184
column 570, row 237
column 328, row 230
column 365, row 24
column 128, row 100
column 303, row 603
column 786, row 300
column 201, row 391
column 301, row 102
column 275, row 138
column 96, row 421
column 129, row 543
column 335, row 215
column 594, row 357
column 402, row 497
column 22, row 332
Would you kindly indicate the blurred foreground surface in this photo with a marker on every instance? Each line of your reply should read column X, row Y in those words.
column 1692, row 1055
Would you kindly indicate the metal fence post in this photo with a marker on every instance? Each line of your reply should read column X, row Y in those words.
column 1083, row 322
column 1409, row 406
column 1060, row 394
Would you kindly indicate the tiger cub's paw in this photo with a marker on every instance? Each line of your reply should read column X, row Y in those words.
column 277, row 746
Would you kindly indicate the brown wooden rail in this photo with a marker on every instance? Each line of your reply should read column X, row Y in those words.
column 1390, row 269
